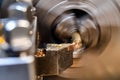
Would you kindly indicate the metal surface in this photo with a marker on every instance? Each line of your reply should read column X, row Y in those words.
column 53, row 61
column 17, row 40
column 61, row 18
column 16, row 29
column 19, row 29
column 99, row 30
column 6, row 3
column 17, row 68
column 21, row 10
column 96, row 22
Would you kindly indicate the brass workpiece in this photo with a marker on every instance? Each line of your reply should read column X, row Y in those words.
column 77, row 42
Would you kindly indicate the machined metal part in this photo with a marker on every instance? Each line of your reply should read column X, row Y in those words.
column 19, row 29
column 6, row 3
column 21, row 10
column 65, row 27
column 86, row 18
column 19, row 36
column 16, row 34
column 59, row 21
column 16, row 68
column 17, row 41
column 54, row 60
column 98, row 22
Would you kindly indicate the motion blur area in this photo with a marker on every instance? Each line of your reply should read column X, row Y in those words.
column 59, row 39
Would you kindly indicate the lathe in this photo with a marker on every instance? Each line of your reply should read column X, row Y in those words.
column 59, row 39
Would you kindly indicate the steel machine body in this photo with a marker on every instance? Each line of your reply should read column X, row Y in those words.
column 60, row 39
